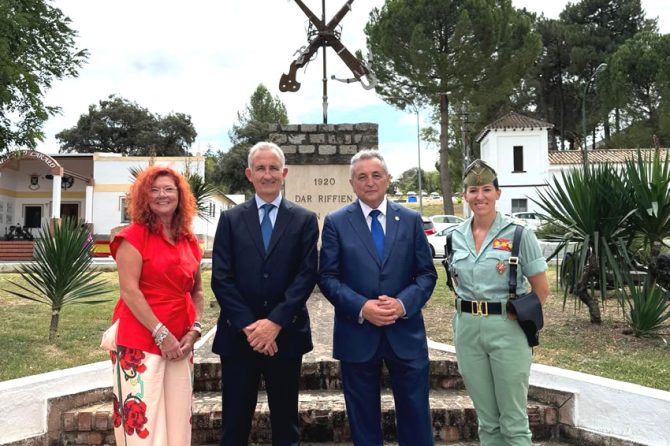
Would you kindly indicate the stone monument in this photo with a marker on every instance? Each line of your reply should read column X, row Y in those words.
column 318, row 156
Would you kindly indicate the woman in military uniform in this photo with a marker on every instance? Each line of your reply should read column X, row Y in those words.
column 493, row 353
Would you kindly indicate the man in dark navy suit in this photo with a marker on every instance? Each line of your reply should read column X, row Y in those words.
column 264, row 268
column 377, row 270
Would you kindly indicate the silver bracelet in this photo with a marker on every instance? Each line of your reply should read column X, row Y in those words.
column 156, row 328
column 161, row 335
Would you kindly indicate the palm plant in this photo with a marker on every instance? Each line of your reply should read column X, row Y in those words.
column 202, row 192
column 60, row 274
column 591, row 208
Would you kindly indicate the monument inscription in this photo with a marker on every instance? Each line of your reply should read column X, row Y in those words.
column 320, row 188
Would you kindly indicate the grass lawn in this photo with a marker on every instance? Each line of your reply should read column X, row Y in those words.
column 568, row 340
column 434, row 207
column 25, row 328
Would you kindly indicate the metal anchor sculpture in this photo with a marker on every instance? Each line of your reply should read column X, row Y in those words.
column 326, row 35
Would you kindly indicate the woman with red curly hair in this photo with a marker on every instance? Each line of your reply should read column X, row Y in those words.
column 156, row 318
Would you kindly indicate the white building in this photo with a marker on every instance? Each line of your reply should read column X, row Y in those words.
column 517, row 147
column 35, row 187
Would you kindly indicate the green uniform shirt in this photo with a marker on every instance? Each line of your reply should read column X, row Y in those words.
column 485, row 275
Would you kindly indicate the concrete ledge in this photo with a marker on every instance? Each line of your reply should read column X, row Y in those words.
column 32, row 403
column 592, row 410
column 623, row 413
column 24, row 411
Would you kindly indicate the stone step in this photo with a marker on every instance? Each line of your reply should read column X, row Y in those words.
column 319, row 370
column 437, row 443
column 323, row 419
column 324, row 374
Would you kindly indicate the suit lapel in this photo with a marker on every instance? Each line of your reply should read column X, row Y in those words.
column 284, row 217
column 392, row 224
column 254, row 225
column 360, row 225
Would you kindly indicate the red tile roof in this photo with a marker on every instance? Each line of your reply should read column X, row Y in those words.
column 616, row 156
column 513, row 121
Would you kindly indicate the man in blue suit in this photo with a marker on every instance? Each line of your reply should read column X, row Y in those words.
column 377, row 271
column 264, row 268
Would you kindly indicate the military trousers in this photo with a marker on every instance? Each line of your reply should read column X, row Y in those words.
column 494, row 360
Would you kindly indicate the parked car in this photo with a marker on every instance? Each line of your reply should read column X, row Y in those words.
column 445, row 221
column 532, row 219
column 428, row 226
column 438, row 240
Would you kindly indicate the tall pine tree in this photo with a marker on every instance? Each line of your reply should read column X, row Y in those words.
column 432, row 51
column 227, row 169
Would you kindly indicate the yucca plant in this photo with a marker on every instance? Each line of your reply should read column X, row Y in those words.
column 648, row 309
column 648, row 182
column 591, row 208
column 60, row 274
column 647, row 306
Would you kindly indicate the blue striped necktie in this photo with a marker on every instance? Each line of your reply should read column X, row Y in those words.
column 266, row 224
column 377, row 233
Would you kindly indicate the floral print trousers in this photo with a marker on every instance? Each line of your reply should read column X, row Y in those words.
column 153, row 405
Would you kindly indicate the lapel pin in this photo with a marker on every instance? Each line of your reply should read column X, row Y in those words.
column 397, row 218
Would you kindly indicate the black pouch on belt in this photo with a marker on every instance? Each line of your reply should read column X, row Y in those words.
column 527, row 307
column 528, row 311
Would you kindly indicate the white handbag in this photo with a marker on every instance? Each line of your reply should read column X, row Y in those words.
column 109, row 337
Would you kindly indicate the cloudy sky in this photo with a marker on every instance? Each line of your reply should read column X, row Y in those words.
column 205, row 58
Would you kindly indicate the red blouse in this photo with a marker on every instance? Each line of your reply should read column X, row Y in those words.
column 167, row 278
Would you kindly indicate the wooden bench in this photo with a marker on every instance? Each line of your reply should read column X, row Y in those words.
column 16, row 250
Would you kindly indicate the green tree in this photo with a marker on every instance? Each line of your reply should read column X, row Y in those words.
column 554, row 93
column 227, row 169
column 37, row 47
column 409, row 180
column 432, row 183
column 228, row 172
column 252, row 123
column 594, row 30
column 637, row 83
column 60, row 274
column 118, row 125
column 430, row 51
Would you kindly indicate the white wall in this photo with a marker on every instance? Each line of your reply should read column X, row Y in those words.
column 106, row 211
column 497, row 149
column 8, row 200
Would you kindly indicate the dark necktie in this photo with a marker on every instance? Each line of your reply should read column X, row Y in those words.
column 266, row 224
column 377, row 233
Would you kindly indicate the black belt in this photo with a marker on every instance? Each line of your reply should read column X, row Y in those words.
column 481, row 307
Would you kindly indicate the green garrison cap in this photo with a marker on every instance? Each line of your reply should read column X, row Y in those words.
column 478, row 173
